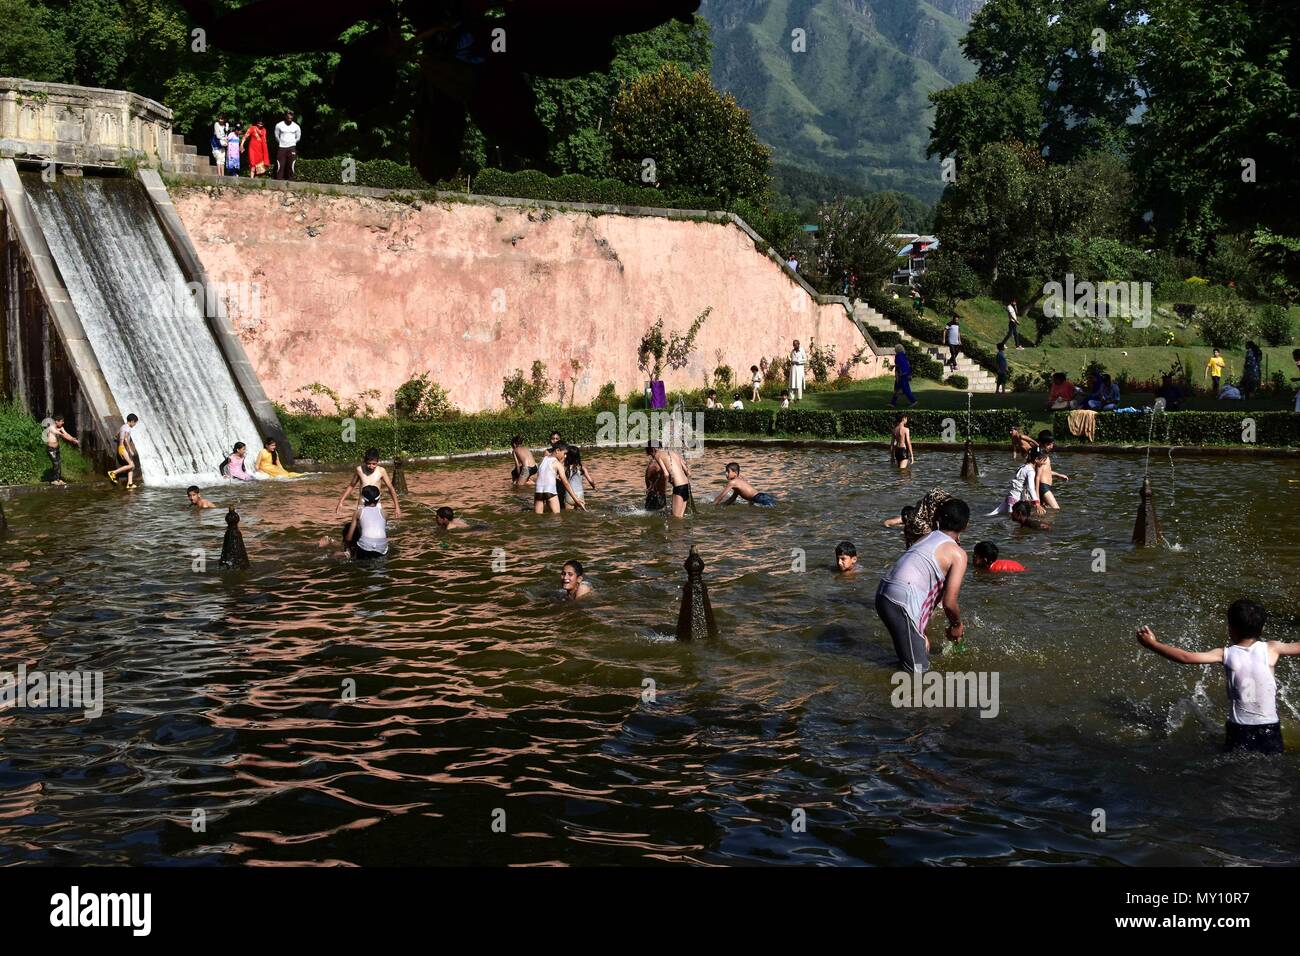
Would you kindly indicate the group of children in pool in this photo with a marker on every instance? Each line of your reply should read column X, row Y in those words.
column 929, row 573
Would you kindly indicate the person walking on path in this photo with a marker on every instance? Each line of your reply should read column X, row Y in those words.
column 1214, row 370
column 902, row 376
column 287, row 136
column 1013, row 326
column 259, row 158
column 233, row 144
column 798, row 358
column 952, row 336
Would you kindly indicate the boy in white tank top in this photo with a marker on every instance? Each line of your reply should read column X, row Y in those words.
column 1248, row 664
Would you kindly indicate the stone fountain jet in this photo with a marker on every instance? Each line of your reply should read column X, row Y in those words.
column 696, row 617
column 399, row 474
column 233, row 554
column 1146, row 529
column 969, row 469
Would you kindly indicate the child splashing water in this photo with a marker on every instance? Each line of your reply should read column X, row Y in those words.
column 1248, row 664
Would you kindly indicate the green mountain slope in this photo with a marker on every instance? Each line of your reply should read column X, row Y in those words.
column 854, row 103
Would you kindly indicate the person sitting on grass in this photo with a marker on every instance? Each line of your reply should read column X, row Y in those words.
column 846, row 558
column 1248, row 664
column 985, row 558
column 1106, row 397
column 1061, row 395
column 785, row 398
column 447, row 519
column 711, row 399
column 737, row 487
column 574, row 583
column 738, row 405
column 1170, row 392
column 196, row 498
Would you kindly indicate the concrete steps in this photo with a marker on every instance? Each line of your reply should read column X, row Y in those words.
column 188, row 159
column 978, row 377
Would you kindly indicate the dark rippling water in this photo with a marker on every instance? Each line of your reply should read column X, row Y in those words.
column 478, row 692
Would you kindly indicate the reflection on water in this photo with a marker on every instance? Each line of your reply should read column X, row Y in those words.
column 476, row 691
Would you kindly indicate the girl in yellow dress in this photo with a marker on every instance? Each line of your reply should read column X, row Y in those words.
column 268, row 462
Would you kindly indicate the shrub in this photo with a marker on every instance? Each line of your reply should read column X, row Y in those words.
column 530, row 184
column 723, row 378
column 421, row 400
column 606, row 398
column 821, row 359
column 379, row 173
column 1273, row 323
column 812, row 422
column 1224, row 326
column 526, row 395
column 958, row 381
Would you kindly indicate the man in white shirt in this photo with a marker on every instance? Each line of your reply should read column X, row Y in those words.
column 797, row 361
column 952, row 336
column 287, row 135
column 1013, row 326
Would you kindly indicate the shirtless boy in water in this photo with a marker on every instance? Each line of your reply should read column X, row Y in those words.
column 371, row 474
column 525, row 469
column 656, row 482
column 1047, row 443
column 679, row 476
column 55, row 432
column 1021, row 444
column 196, row 498
column 900, row 443
column 737, row 487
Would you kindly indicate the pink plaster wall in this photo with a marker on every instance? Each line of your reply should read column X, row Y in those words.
column 359, row 293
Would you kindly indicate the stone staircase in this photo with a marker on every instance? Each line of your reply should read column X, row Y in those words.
column 188, row 159
column 979, row 378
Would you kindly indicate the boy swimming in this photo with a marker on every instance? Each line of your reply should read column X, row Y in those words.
column 1047, row 443
column 846, row 558
column 1023, row 514
column 365, row 536
column 572, row 580
column 447, row 519
column 196, row 498
column 929, row 572
column 737, row 487
column 1248, row 664
column 900, row 442
column 370, row 474
column 53, row 434
column 985, row 558
column 525, row 469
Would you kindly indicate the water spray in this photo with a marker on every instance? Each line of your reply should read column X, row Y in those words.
column 969, row 469
column 1146, row 529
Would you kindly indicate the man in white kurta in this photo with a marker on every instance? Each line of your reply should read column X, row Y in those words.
column 798, row 359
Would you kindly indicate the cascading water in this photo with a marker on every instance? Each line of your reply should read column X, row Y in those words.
column 147, row 332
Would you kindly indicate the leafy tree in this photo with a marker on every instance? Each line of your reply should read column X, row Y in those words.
column 854, row 248
column 685, row 136
column 948, row 279
column 993, row 110
column 31, row 45
column 1223, row 88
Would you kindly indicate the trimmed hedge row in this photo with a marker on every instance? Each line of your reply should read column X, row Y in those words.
column 526, row 184
column 379, row 173
column 1274, row 429
column 323, row 439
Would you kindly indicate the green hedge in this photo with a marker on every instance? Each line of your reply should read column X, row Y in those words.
column 379, row 173
column 924, row 365
column 1273, row 429
column 526, row 184
column 321, row 439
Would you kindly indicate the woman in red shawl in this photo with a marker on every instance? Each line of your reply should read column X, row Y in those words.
column 259, row 158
